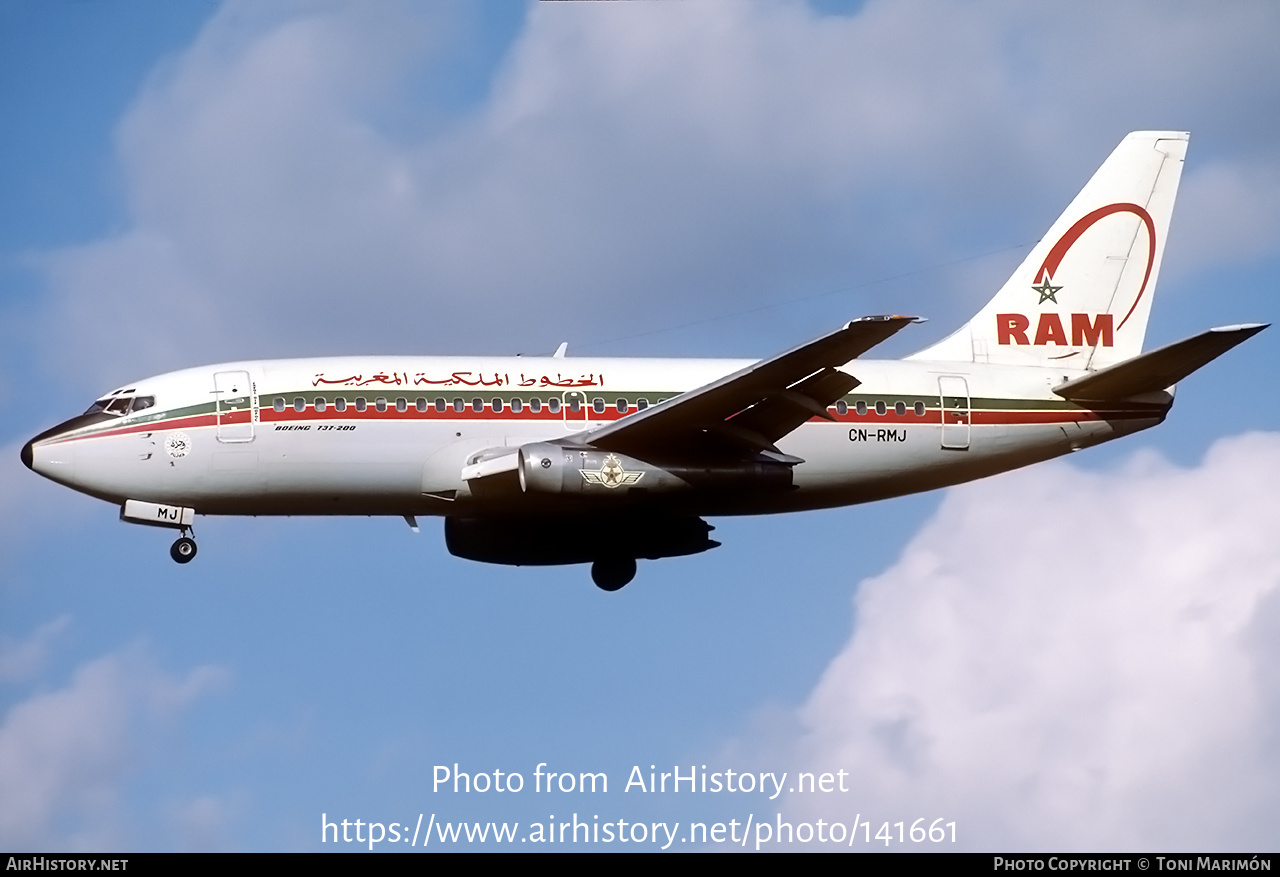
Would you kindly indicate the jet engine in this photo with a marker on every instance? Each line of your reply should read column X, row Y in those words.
column 546, row 468
column 556, row 469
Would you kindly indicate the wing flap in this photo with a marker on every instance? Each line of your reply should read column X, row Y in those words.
column 1158, row 369
column 783, row 411
column 769, row 398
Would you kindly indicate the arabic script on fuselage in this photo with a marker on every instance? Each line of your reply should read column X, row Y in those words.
column 460, row 379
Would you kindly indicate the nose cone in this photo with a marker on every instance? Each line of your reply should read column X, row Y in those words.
column 54, row 459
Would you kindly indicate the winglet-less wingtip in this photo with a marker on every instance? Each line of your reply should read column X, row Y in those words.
column 884, row 318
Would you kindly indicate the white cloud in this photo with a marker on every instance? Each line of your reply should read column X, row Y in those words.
column 629, row 163
column 1071, row 660
column 66, row 754
column 22, row 659
column 1229, row 211
column 203, row 822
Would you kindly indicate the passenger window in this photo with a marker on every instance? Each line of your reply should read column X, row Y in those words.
column 919, row 409
column 553, row 405
column 278, row 404
column 642, row 404
column 497, row 405
column 320, row 404
column 402, row 405
column 340, row 404
column 597, row 405
column 380, row 403
column 421, row 404
column 477, row 405
column 441, row 405
column 575, row 405
column 516, row 405
column 899, row 408
column 623, row 406
column 361, row 404
column 880, row 407
column 299, row 404
column 861, row 408
column 842, row 407
column 459, row 405
column 535, row 405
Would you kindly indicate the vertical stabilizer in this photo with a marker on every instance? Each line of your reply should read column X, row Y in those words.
column 1082, row 297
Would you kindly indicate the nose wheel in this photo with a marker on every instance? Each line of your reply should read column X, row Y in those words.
column 184, row 549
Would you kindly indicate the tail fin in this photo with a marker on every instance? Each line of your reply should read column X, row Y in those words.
column 1082, row 297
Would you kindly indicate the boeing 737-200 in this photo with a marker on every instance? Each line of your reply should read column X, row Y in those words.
column 558, row 460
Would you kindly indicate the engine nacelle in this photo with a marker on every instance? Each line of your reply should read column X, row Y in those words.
column 554, row 469
column 545, row 468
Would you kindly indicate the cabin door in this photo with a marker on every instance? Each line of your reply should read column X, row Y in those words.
column 235, row 406
column 953, row 392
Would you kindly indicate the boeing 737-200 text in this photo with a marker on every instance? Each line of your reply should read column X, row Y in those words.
column 561, row 460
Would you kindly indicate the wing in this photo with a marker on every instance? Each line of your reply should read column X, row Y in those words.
column 747, row 412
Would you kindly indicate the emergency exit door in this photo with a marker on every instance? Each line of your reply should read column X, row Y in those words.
column 953, row 392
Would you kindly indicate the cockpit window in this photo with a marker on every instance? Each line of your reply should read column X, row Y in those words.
column 121, row 405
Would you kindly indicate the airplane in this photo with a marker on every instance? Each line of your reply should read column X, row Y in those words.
column 559, row 460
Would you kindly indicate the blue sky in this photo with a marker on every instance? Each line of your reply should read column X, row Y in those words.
column 193, row 183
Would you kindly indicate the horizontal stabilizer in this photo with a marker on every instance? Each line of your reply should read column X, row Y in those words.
column 1158, row 369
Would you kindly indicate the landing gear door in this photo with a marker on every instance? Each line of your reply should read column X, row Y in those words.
column 953, row 391
column 235, row 405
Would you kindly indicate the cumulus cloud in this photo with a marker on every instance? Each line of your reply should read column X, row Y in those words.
column 22, row 659
column 1064, row 659
column 202, row 823
column 1229, row 211
column 625, row 163
column 65, row 754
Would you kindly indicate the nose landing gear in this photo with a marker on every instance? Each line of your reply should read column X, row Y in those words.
column 184, row 549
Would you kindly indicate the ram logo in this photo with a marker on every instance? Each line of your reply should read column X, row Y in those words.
column 1086, row 331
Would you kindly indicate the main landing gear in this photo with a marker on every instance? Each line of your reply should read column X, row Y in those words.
column 611, row 573
column 184, row 549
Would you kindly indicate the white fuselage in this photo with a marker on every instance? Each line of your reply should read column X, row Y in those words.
column 391, row 435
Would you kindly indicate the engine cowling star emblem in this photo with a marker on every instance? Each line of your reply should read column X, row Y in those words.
column 611, row 474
